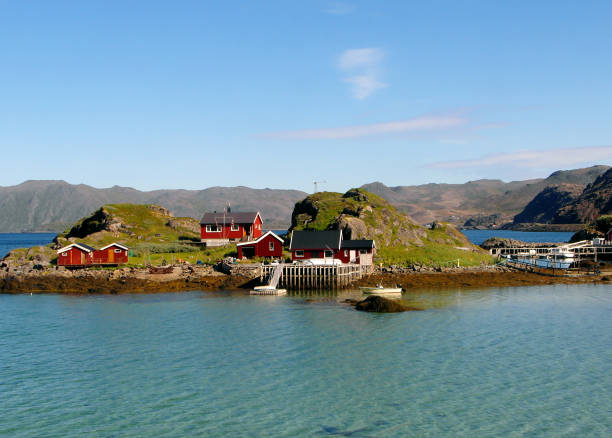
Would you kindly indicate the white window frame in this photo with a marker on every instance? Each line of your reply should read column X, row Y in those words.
column 65, row 253
column 270, row 246
column 299, row 253
column 209, row 229
column 346, row 253
column 328, row 253
column 235, row 227
column 118, row 251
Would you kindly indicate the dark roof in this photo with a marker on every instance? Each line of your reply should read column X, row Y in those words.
column 89, row 248
column 357, row 244
column 237, row 218
column 316, row 239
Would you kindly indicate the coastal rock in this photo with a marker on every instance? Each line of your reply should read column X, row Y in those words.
column 379, row 304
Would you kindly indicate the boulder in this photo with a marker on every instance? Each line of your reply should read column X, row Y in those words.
column 375, row 303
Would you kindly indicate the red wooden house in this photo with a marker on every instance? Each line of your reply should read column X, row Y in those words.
column 218, row 229
column 327, row 246
column 79, row 254
column 269, row 245
column 76, row 254
column 113, row 254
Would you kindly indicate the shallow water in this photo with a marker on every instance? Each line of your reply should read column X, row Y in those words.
column 529, row 361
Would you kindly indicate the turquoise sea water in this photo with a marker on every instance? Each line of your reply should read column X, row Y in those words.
column 529, row 361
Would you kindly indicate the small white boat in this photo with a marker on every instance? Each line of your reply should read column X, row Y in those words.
column 267, row 290
column 380, row 290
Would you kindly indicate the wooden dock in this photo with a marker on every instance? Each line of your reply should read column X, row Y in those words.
column 583, row 251
column 303, row 277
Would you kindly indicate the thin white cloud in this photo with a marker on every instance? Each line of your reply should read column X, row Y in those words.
column 340, row 8
column 535, row 159
column 362, row 69
column 417, row 124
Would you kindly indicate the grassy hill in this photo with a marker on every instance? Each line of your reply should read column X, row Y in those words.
column 152, row 233
column 399, row 240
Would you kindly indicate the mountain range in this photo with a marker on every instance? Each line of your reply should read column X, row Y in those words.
column 485, row 202
column 54, row 205
column 566, row 196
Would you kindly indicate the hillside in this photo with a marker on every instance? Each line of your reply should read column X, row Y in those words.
column 594, row 201
column 476, row 200
column 54, row 205
column 399, row 240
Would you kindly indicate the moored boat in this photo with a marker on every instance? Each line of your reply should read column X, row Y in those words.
column 380, row 290
column 267, row 290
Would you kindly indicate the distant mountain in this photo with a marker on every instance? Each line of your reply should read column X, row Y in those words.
column 476, row 200
column 543, row 207
column 54, row 205
column 594, row 201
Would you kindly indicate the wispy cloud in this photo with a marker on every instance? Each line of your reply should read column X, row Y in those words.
column 535, row 158
column 362, row 67
column 340, row 8
column 417, row 124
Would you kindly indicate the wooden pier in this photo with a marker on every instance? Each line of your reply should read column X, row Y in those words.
column 583, row 251
column 303, row 277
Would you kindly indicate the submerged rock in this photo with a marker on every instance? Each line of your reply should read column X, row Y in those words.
column 379, row 304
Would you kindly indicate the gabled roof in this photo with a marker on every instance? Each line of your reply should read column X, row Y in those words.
column 81, row 246
column 118, row 245
column 358, row 244
column 316, row 240
column 228, row 218
column 262, row 237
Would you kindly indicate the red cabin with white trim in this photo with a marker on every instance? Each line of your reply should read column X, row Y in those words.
column 113, row 254
column 76, row 254
column 268, row 245
column 218, row 229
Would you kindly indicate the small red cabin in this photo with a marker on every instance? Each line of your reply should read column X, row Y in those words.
column 218, row 229
column 79, row 254
column 113, row 254
column 269, row 245
column 76, row 254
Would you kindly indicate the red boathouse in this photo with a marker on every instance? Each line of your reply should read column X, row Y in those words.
column 268, row 245
column 113, row 254
column 80, row 254
column 76, row 254
column 217, row 229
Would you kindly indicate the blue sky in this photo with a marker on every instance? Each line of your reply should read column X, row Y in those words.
column 280, row 93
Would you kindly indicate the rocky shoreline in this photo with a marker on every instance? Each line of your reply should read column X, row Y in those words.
column 189, row 277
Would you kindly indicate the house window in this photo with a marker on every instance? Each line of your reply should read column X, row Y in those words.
column 213, row 229
column 363, row 251
column 235, row 227
column 299, row 253
column 346, row 253
column 64, row 254
column 271, row 246
column 329, row 254
column 118, row 251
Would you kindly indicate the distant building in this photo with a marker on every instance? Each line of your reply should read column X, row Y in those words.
column 217, row 229
column 330, row 245
column 269, row 245
column 80, row 254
